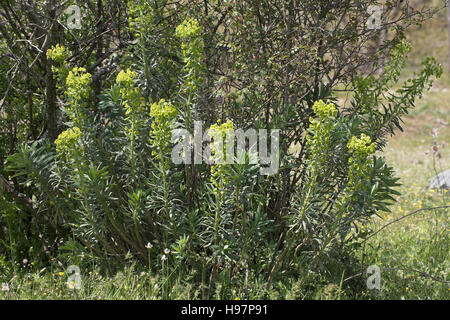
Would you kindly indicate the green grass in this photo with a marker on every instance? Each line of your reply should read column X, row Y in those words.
column 419, row 242
column 413, row 250
column 30, row 283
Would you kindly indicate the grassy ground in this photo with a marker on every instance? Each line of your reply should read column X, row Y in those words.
column 412, row 253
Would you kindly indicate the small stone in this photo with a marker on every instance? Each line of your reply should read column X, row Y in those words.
column 441, row 181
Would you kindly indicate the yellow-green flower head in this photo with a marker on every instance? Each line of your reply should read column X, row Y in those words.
column 219, row 176
column 78, row 93
column 78, row 79
column 163, row 110
column 140, row 17
column 126, row 78
column 130, row 93
column 67, row 140
column 360, row 149
column 323, row 110
column 223, row 128
column 188, row 29
column 58, row 53
column 163, row 113
column 192, row 45
column 321, row 129
column 220, row 130
column 362, row 146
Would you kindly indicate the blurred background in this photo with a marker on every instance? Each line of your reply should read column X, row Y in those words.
column 418, row 154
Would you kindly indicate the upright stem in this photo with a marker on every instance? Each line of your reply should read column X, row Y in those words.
column 146, row 72
column 188, row 128
column 294, row 236
column 166, row 194
column 133, row 160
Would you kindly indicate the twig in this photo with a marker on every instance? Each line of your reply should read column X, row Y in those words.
column 401, row 218
column 421, row 273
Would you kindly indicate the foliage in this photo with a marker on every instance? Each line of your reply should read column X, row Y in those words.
column 106, row 188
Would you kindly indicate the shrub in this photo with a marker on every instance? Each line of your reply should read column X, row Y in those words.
column 110, row 189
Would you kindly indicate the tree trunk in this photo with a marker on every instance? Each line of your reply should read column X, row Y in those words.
column 382, row 58
column 50, row 97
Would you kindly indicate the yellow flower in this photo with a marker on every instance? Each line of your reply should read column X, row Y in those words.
column 78, row 79
column 58, row 53
column 71, row 285
column 66, row 141
column 188, row 29
column 163, row 110
column 323, row 110
column 126, row 77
